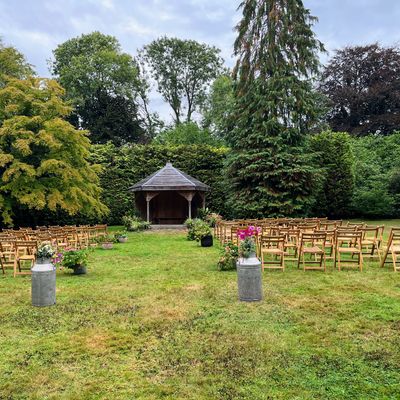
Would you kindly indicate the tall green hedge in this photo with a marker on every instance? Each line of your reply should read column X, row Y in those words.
column 126, row 165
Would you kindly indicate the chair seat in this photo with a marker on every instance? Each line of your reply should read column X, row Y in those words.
column 313, row 250
column 348, row 250
column 273, row 251
column 368, row 241
column 27, row 257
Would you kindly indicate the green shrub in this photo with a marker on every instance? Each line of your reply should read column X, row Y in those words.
column 134, row 224
column 189, row 223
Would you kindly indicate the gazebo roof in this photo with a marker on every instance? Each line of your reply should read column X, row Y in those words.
column 169, row 178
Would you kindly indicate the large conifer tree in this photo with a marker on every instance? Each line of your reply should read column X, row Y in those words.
column 277, row 55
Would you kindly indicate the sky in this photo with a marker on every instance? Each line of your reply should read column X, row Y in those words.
column 36, row 27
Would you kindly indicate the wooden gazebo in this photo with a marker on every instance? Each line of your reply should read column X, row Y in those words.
column 169, row 196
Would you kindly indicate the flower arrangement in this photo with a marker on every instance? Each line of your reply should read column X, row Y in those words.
column 247, row 237
column 120, row 237
column 45, row 251
column 227, row 261
column 105, row 239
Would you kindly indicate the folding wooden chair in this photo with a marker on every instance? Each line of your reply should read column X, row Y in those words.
column 312, row 244
column 370, row 242
column 7, row 253
column 392, row 249
column 25, row 252
column 272, row 252
column 348, row 243
column 292, row 242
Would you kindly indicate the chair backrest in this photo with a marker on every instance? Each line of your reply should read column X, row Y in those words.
column 272, row 242
column 394, row 237
column 353, row 239
column 25, row 247
column 311, row 239
column 369, row 232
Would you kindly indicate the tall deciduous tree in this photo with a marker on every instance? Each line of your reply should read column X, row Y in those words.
column 12, row 64
column 218, row 106
column 183, row 69
column 43, row 158
column 277, row 52
column 362, row 84
column 93, row 69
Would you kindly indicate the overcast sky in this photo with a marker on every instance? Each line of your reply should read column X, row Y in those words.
column 36, row 27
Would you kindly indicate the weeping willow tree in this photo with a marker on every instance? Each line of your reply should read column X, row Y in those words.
column 269, row 170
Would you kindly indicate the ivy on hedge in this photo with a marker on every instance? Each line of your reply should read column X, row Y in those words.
column 126, row 165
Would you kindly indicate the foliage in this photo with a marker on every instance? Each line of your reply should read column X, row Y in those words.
column 43, row 159
column 75, row 258
column 134, row 224
column 188, row 133
column 377, row 162
column 45, row 251
column 13, row 64
column 362, row 84
column 247, row 240
column 120, row 234
column 206, row 215
column 101, row 81
column 268, row 169
column 124, row 166
column 189, row 224
column 182, row 70
column 333, row 154
column 201, row 229
column 218, row 106
column 109, row 238
column 228, row 258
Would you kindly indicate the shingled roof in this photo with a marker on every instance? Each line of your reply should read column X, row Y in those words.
column 169, row 178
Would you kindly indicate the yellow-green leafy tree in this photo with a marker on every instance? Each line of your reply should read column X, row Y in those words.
column 43, row 158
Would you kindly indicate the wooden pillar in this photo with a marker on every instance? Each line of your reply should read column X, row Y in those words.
column 149, row 197
column 189, row 197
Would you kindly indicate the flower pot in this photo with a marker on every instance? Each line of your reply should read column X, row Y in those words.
column 43, row 291
column 249, row 275
column 206, row 241
column 79, row 270
column 43, row 261
column 122, row 239
column 107, row 245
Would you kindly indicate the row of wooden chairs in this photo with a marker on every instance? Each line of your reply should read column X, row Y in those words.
column 311, row 242
column 18, row 248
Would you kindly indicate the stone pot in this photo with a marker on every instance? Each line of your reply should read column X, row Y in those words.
column 107, row 245
column 123, row 239
column 80, row 270
column 206, row 241
column 249, row 275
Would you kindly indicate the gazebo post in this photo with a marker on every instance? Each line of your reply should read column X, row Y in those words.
column 149, row 196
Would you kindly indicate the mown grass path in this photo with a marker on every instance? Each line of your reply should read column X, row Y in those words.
column 154, row 319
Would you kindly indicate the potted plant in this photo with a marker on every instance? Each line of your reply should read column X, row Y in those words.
column 45, row 254
column 76, row 260
column 121, row 236
column 106, row 241
column 202, row 233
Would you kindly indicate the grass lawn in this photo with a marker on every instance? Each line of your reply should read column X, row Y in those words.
column 154, row 319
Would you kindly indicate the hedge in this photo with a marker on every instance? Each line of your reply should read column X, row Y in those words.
column 126, row 165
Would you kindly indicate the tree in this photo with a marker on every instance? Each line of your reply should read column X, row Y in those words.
column 188, row 133
column 333, row 154
column 362, row 84
column 218, row 106
column 12, row 64
column 182, row 69
column 112, row 118
column 43, row 158
column 269, row 170
column 93, row 70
